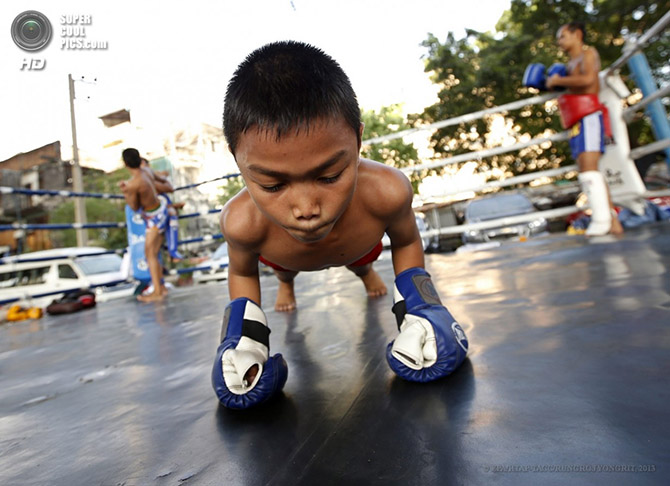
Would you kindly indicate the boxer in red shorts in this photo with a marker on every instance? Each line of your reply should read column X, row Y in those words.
column 588, row 128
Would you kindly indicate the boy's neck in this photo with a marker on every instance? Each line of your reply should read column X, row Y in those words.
column 577, row 50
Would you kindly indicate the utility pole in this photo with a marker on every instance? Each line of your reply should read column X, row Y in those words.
column 77, row 182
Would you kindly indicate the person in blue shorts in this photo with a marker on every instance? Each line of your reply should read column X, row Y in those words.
column 141, row 195
column 163, row 186
column 587, row 119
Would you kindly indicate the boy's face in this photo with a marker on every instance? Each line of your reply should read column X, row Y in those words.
column 304, row 182
column 566, row 39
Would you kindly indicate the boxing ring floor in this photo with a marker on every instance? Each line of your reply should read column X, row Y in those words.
column 568, row 369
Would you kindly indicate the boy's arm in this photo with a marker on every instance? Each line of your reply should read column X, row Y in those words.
column 406, row 246
column 243, row 280
column 237, row 228
column 131, row 194
column 161, row 183
column 430, row 343
column 244, row 373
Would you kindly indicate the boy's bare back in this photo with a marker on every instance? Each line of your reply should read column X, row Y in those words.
column 143, row 186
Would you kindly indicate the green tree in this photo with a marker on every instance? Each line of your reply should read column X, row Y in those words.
column 396, row 152
column 230, row 187
column 97, row 211
column 484, row 70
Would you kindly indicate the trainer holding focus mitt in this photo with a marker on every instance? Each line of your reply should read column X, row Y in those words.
column 293, row 123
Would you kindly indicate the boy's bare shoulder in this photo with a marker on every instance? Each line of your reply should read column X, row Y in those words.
column 385, row 190
column 242, row 224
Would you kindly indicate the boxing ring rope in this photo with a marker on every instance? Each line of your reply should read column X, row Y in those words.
column 629, row 50
column 512, row 181
column 631, row 110
column 495, row 223
column 216, row 236
column 201, row 213
column 59, row 226
column 482, row 154
column 468, row 117
column 43, row 192
column 650, row 148
column 191, row 186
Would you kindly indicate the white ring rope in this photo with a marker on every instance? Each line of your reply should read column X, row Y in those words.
column 468, row 117
column 630, row 111
column 480, row 154
column 630, row 49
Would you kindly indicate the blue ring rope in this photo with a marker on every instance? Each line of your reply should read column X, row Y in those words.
column 59, row 226
column 44, row 192
column 190, row 186
column 63, row 226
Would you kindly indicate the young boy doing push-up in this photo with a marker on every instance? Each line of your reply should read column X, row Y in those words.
column 292, row 121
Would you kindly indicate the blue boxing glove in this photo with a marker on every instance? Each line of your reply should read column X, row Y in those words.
column 559, row 69
column 534, row 77
column 245, row 343
column 431, row 344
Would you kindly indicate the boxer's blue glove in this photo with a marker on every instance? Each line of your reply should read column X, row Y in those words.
column 559, row 69
column 245, row 342
column 534, row 77
column 431, row 344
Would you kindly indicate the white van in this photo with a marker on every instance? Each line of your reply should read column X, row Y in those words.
column 37, row 278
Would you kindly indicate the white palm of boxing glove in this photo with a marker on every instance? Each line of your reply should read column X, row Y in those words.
column 248, row 353
column 415, row 346
column 430, row 343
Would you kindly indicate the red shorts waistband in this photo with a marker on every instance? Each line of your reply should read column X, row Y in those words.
column 369, row 258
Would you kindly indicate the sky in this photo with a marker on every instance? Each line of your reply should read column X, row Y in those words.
column 169, row 62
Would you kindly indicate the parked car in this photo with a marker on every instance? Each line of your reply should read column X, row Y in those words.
column 54, row 272
column 420, row 224
column 218, row 266
column 501, row 206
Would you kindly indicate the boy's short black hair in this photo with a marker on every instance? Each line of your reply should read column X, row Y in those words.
column 285, row 86
column 575, row 25
column 131, row 157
